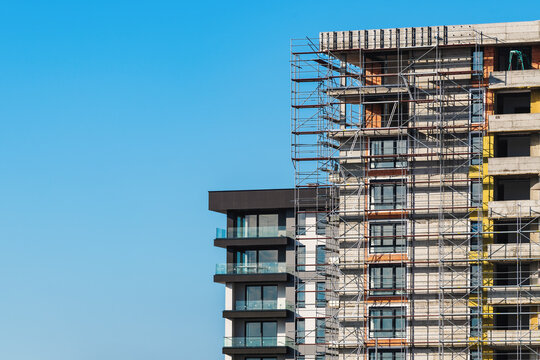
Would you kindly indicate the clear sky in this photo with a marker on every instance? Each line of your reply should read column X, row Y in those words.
column 117, row 117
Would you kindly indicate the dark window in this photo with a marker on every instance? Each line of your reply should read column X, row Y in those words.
column 301, row 258
column 386, row 280
column 476, row 235
column 387, row 237
column 387, row 149
column 512, row 145
column 386, row 322
column 321, row 294
column 512, row 274
column 513, row 103
column 475, row 355
column 515, row 354
column 509, row 232
column 512, row 189
column 511, row 317
column 514, row 58
column 387, row 196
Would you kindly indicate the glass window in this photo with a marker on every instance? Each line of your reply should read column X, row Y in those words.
column 386, row 354
column 386, row 322
column 320, row 331
column 387, row 196
column 476, row 237
column 320, row 257
column 476, row 194
column 321, row 223
column 301, row 224
column 387, row 280
column 268, row 256
column 387, row 149
column 321, row 294
column 301, row 258
column 301, row 295
column 387, row 237
column 475, row 275
column 476, row 148
column 477, row 106
column 476, row 321
column 300, row 331
column 478, row 62
column 262, row 225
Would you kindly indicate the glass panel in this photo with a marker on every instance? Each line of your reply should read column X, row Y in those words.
column 268, row 256
column 321, row 224
column 400, row 196
column 300, row 331
column 301, row 295
column 320, row 333
column 321, row 294
column 270, row 297
column 301, row 228
column 475, row 235
column 250, row 226
column 268, row 225
column 253, row 331
column 269, row 329
column 476, row 194
column 253, row 297
column 301, row 258
column 321, row 257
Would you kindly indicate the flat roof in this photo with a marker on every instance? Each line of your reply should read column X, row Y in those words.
column 427, row 36
column 222, row 201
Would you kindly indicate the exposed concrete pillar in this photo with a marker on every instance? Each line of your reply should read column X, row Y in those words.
column 535, row 144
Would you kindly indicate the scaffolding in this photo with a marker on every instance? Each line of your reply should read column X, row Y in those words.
column 388, row 128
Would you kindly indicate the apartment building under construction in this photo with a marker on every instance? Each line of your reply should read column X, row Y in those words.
column 416, row 206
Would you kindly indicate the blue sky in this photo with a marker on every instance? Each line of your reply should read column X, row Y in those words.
column 117, row 117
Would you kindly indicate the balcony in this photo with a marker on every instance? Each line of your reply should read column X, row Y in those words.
column 252, row 236
column 514, row 208
column 260, row 309
column 514, row 122
column 514, row 79
column 519, row 165
column 511, row 252
column 257, row 345
column 513, row 337
column 251, row 272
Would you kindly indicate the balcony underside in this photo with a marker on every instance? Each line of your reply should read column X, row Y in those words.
column 256, row 350
column 252, row 241
column 276, row 314
column 233, row 278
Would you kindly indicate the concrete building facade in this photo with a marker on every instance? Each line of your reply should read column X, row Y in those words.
column 413, row 224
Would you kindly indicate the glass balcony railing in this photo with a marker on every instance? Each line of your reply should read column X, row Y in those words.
column 258, row 268
column 279, row 304
column 250, row 232
column 264, row 341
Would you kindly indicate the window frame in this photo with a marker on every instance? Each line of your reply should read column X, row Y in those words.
column 396, row 204
column 397, row 318
column 398, row 147
column 398, row 281
column 396, row 238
